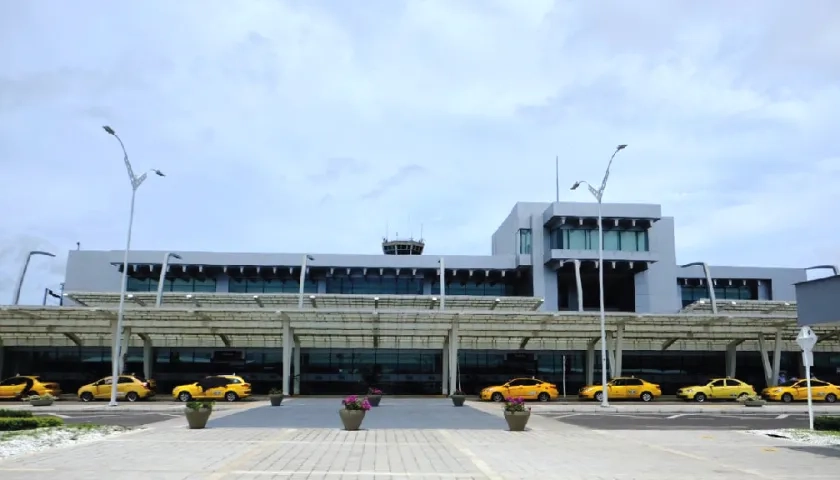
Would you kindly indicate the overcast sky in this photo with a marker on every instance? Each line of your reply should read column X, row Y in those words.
column 292, row 126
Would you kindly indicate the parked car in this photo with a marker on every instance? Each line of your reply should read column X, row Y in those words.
column 797, row 390
column 228, row 387
column 527, row 388
column 129, row 387
column 717, row 389
column 624, row 388
column 21, row 386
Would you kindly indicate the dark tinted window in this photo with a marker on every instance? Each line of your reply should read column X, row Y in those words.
column 13, row 381
column 718, row 383
column 619, row 382
column 633, row 382
column 126, row 380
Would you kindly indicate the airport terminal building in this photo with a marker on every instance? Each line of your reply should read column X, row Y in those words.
column 412, row 323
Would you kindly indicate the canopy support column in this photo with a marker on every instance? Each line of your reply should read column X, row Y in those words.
column 453, row 356
column 610, row 356
column 287, row 353
column 296, row 365
column 732, row 357
column 590, row 361
column 777, row 358
column 618, row 352
column 444, row 377
column 148, row 356
column 124, row 349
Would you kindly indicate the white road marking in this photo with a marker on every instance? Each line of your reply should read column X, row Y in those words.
column 675, row 416
column 784, row 415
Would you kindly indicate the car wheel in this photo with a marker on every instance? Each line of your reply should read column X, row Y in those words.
column 184, row 396
column 599, row 396
column 544, row 397
column 646, row 396
column 497, row 397
column 700, row 397
column 132, row 396
column 831, row 398
column 86, row 397
column 787, row 398
column 231, row 396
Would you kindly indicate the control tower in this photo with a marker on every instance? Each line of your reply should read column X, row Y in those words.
column 399, row 246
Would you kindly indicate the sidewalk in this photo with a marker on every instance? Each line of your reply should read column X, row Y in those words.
column 550, row 449
column 102, row 407
column 706, row 408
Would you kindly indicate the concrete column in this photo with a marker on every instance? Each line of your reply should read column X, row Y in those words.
column 765, row 360
column 287, row 354
column 296, row 365
column 444, row 377
column 2, row 355
column 115, row 355
column 590, row 361
column 732, row 358
column 124, row 350
column 610, row 356
column 619, row 353
column 453, row 356
column 148, row 358
column 777, row 358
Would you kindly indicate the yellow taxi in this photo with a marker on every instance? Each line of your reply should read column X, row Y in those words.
column 228, row 387
column 624, row 388
column 21, row 386
column 527, row 388
column 798, row 390
column 717, row 389
column 129, row 387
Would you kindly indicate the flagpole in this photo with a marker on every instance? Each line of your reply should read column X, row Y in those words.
column 44, row 301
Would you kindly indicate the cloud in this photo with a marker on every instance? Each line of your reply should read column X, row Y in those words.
column 280, row 123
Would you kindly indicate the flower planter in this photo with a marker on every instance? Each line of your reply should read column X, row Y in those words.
column 275, row 399
column 351, row 419
column 41, row 402
column 458, row 400
column 374, row 400
column 754, row 403
column 197, row 419
column 517, row 420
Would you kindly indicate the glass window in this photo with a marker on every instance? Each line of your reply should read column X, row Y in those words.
column 633, row 382
column 556, row 238
column 618, row 382
column 611, row 240
column 628, row 241
column 577, row 239
column 525, row 241
column 717, row 383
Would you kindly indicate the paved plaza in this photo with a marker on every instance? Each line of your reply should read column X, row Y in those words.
column 423, row 439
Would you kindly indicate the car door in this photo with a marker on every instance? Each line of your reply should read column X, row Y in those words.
column 818, row 390
column 218, row 387
column 514, row 387
column 124, row 385
column 735, row 388
column 11, row 387
column 717, row 390
column 102, row 388
column 529, row 389
column 617, row 388
column 633, row 387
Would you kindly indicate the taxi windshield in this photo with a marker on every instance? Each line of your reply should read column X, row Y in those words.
column 789, row 383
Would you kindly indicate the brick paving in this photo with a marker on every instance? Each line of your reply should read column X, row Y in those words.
column 479, row 449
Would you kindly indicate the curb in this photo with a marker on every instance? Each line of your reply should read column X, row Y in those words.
column 699, row 411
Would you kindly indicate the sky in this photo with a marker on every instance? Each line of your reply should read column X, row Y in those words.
column 320, row 125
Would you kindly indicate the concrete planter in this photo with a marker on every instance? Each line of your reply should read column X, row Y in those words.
column 458, row 400
column 374, row 400
column 276, row 399
column 754, row 403
column 197, row 419
column 42, row 403
column 517, row 420
column 351, row 419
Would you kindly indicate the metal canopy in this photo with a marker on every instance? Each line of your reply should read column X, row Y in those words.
column 762, row 307
column 287, row 301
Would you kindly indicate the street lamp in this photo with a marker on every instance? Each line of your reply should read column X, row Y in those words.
column 163, row 268
column 135, row 181
column 709, row 284
column 599, row 195
column 807, row 339
column 16, row 297
column 303, row 278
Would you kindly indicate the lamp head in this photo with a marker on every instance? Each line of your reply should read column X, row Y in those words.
column 806, row 339
column 109, row 130
column 158, row 173
column 575, row 186
column 621, row 147
column 310, row 258
column 175, row 255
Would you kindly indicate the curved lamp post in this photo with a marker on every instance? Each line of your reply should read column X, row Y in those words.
column 163, row 268
column 708, row 274
column 599, row 195
column 135, row 181
column 19, row 286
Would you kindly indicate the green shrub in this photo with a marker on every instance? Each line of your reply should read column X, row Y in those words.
column 200, row 405
column 827, row 423
column 28, row 423
column 7, row 413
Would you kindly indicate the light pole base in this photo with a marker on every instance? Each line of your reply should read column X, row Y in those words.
column 605, row 405
column 112, row 404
